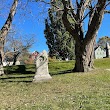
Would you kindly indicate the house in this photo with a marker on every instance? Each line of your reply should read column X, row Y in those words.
column 34, row 55
column 19, row 62
column 8, row 61
column 100, row 52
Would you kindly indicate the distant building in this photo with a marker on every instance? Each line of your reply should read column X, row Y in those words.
column 19, row 62
column 8, row 61
column 34, row 55
column 99, row 52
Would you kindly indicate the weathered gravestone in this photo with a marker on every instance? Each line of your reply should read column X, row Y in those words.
column 42, row 73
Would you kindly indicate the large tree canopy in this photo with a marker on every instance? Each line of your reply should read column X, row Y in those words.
column 91, row 11
column 94, row 12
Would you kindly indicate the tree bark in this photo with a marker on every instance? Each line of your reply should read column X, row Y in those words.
column 84, row 47
column 1, row 66
column 15, row 57
column 84, row 56
column 5, row 29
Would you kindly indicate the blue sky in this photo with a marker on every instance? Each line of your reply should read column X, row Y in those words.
column 34, row 24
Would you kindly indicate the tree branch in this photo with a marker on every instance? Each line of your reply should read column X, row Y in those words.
column 95, row 22
column 5, row 29
column 107, row 11
column 71, row 29
column 107, row 4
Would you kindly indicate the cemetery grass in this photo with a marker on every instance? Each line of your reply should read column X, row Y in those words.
column 71, row 91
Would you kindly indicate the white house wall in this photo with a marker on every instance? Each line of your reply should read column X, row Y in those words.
column 100, row 53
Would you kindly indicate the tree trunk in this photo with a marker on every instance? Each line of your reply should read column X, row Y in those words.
column 84, row 48
column 4, row 31
column 84, row 56
column 15, row 57
column 1, row 66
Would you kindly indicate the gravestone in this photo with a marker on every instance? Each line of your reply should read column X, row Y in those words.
column 42, row 73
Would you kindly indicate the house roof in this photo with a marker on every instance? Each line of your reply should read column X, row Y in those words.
column 99, row 47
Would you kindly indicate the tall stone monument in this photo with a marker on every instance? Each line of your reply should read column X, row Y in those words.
column 42, row 73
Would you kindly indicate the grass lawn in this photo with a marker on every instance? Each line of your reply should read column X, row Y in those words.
column 71, row 91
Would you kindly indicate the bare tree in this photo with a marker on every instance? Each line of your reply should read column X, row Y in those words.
column 17, row 45
column 5, row 29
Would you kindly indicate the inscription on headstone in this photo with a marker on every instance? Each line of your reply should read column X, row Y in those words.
column 42, row 73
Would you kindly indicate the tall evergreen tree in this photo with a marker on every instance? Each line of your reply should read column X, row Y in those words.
column 59, row 41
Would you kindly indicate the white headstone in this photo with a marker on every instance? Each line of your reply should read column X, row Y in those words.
column 42, row 73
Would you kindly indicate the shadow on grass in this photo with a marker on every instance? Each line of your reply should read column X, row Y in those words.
column 27, row 77
column 16, row 77
column 21, row 69
column 19, row 81
column 61, row 72
column 4, row 80
column 22, row 77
